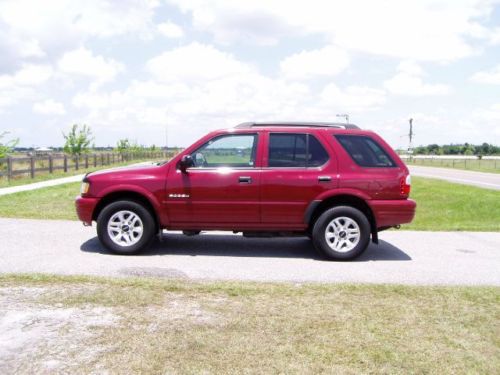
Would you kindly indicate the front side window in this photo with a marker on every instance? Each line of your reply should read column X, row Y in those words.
column 365, row 151
column 296, row 150
column 237, row 151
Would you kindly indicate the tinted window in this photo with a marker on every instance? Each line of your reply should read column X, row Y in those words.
column 365, row 151
column 317, row 153
column 227, row 151
column 295, row 150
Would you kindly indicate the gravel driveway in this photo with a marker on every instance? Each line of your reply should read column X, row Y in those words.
column 406, row 257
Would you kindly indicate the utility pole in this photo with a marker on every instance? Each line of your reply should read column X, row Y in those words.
column 410, row 137
column 344, row 115
column 166, row 140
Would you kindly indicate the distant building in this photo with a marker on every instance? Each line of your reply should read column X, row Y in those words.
column 40, row 151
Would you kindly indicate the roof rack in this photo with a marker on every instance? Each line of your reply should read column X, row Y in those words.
column 246, row 125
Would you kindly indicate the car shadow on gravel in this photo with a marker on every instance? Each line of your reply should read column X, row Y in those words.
column 238, row 246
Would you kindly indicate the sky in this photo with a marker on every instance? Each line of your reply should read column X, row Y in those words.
column 159, row 72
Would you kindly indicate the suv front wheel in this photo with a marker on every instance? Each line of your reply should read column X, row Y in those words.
column 125, row 227
column 341, row 233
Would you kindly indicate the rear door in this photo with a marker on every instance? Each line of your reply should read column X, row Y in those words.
column 298, row 166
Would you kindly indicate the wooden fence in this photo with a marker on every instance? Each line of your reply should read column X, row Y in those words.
column 32, row 166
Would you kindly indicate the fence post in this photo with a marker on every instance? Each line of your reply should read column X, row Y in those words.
column 51, row 164
column 95, row 160
column 107, row 157
column 86, row 160
column 32, row 167
column 9, row 168
column 77, row 162
column 65, row 163
column 102, row 159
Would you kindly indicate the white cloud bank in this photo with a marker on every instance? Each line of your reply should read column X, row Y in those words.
column 419, row 30
column 49, row 107
column 409, row 82
column 491, row 76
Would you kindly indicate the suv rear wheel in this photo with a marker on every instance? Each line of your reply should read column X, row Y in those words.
column 125, row 227
column 341, row 233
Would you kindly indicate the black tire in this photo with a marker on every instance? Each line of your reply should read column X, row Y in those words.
column 323, row 221
column 145, row 216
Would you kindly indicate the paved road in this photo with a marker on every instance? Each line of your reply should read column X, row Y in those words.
column 66, row 247
column 480, row 179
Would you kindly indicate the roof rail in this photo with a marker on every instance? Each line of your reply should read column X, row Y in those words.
column 246, row 125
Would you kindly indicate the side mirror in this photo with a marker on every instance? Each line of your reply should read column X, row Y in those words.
column 185, row 163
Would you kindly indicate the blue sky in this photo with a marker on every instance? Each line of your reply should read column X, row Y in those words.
column 131, row 69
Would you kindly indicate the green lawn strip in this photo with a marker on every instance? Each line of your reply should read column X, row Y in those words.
column 54, row 202
column 45, row 176
column 168, row 326
column 443, row 205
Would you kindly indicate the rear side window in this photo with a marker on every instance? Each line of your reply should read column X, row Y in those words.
column 296, row 150
column 365, row 151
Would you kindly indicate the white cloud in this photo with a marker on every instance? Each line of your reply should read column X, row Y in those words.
column 170, row 30
column 28, row 75
column 421, row 30
column 49, row 107
column 20, row 85
column 327, row 61
column 409, row 82
column 194, row 62
column 353, row 98
column 489, row 76
column 83, row 62
column 48, row 29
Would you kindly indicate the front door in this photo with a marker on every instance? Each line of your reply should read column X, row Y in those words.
column 221, row 189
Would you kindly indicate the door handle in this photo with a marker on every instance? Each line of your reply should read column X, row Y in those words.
column 245, row 179
column 324, row 178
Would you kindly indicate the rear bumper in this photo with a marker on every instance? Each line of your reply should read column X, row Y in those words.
column 389, row 213
column 85, row 208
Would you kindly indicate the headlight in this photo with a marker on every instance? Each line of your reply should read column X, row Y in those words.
column 84, row 189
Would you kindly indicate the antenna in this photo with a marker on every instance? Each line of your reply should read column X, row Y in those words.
column 344, row 115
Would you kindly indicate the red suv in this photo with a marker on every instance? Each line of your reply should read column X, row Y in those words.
column 336, row 184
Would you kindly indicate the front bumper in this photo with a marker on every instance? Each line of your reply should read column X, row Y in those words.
column 85, row 208
column 389, row 213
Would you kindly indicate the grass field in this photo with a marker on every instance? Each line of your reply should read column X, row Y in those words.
column 92, row 325
column 441, row 205
column 444, row 205
column 484, row 165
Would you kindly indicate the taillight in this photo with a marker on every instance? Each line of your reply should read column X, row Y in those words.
column 406, row 185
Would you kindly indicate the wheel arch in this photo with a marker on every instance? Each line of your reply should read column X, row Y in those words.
column 317, row 207
column 126, row 195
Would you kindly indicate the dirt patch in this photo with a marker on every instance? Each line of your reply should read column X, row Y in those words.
column 40, row 338
column 46, row 330
column 170, row 273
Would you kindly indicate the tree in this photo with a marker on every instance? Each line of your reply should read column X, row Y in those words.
column 122, row 146
column 6, row 148
column 78, row 140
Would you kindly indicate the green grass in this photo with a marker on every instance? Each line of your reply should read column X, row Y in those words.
column 441, row 205
column 444, row 205
column 45, row 176
column 55, row 202
column 484, row 165
column 235, row 327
